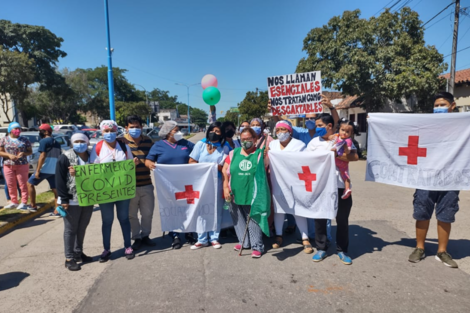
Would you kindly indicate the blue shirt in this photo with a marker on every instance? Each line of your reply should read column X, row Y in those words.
column 53, row 151
column 302, row 134
column 165, row 152
column 201, row 154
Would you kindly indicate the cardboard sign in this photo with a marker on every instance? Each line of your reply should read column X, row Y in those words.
column 105, row 182
column 295, row 94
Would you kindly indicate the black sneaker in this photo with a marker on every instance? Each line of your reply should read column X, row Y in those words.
column 82, row 257
column 148, row 242
column 136, row 245
column 189, row 238
column 72, row 265
column 105, row 256
column 176, row 244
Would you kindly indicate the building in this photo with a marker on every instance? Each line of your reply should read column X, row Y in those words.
column 167, row 115
column 8, row 114
column 461, row 89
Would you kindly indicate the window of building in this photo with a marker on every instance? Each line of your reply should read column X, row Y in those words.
column 362, row 122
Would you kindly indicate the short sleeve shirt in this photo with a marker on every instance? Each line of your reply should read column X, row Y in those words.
column 15, row 146
column 302, row 134
column 108, row 155
column 164, row 152
column 52, row 149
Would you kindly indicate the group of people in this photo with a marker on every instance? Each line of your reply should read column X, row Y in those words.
column 230, row 153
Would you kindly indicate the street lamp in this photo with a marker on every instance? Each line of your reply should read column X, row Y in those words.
column 146, row 101
column 187, row 86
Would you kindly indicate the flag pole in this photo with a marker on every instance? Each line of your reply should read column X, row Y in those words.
column 244, row 235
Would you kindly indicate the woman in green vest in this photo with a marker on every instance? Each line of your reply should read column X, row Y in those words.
column 239, row 175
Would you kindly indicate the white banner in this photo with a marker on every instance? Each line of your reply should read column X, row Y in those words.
column 187, row 197
column 304, row 183
column 422, row 151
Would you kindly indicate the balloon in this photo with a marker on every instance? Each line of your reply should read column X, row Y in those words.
column 209, row 81
column 211, row 95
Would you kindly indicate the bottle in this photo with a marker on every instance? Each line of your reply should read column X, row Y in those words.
column 227, row 205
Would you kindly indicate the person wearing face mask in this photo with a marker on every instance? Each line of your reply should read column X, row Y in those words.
column 144, row 201
column 50, row 151
column 446, row 204
column 229, row 129
column 239, row 174
column 212, row 149
column 325, row 129
column 173, row 149
column 263, row 140
column 242, row 126
column 77, row 217
column 286, row 143
column 14, row 149
column 107, row 151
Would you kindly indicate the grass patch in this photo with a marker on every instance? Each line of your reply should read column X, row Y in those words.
column 7, row 214
column 45, row 197
column 189, row 136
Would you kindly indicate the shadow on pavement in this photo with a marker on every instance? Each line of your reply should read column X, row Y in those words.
column 11, row 280
column 362, row 241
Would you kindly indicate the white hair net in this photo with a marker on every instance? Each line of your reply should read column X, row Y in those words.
column 167, row 128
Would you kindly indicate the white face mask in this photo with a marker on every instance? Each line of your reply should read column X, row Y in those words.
column 178, row 136
column 283, row 136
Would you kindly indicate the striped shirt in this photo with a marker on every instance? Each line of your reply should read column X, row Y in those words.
column 140, row 151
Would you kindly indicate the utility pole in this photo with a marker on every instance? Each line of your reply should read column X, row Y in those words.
column 454, row 48
column 112, row 111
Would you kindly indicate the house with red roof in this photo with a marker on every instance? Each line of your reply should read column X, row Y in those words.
column 461, row 89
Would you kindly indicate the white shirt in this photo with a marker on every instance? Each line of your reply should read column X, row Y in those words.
column 107, row 155
column 294, row 145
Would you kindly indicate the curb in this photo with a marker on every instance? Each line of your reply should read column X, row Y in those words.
column 25, row 217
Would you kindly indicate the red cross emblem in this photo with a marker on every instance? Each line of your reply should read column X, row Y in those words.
column 308, row 177
column 188, row 194
column 412, row 151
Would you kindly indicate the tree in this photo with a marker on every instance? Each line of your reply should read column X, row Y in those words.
column 124, row 109
column 164, row 99
column 232, row 117
column 377, row 59
column 254, row 104
column 198, row 116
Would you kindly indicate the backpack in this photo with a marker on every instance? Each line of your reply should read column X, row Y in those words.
column 100, row 144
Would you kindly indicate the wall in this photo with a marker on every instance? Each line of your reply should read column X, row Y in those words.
column 462, row 97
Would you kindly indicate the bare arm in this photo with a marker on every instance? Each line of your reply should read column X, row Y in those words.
column 276, row 118
column 150, row 164
column 226, row 179
column 327, row 102
column 4, row 154
column 192, row 161
column 42, row 159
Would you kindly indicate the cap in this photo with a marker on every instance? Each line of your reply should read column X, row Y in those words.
column 46, row 127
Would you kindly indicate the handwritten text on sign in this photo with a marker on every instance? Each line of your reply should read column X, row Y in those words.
column 295, row 93
column 105, row 182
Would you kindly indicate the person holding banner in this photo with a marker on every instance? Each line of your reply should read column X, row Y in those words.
column 212, row 149
column 263, row 140
column 78, row 217
column 285, row 142
column 107, row 151
column 239, row 175
column 173, row 149
column 325, row 128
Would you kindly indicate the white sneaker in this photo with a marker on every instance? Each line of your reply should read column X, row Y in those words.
column 199, row 245
column 23, row 206
column 216, row 245
column 11, row 206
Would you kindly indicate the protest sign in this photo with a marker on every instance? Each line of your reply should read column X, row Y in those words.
column 105, row 182
column 295, row 94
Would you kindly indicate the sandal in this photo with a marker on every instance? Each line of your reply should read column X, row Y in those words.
column 307, row 246
column 278, row 242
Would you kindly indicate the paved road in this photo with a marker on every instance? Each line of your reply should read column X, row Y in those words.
column 33, row 279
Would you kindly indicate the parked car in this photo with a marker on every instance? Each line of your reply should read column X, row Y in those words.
column 98, row 136
column 34, row 138
column 153, row 134
column 184, row 131
column 3, row 131
column 72, row 128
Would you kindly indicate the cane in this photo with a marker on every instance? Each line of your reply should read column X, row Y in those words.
column 244, row 235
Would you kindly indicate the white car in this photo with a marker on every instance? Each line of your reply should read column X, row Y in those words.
column 73, row 128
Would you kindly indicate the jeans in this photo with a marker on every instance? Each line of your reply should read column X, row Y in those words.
column 75, row 224
column 311, row 228
column 144, row 202
column 202, row 237
column 107, row 216
column 17, row 175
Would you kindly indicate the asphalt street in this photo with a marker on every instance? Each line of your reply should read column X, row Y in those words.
column 33, row 277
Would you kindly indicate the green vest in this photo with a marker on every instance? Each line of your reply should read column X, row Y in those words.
column 242, row 171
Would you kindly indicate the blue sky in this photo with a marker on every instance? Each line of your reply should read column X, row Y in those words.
column 240, row 42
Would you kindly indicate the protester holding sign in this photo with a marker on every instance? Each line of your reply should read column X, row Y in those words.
column 78, row 217
column 107, row 151
column 212, row 149
column 286, row 143
column 173, row 149
column 325, row 129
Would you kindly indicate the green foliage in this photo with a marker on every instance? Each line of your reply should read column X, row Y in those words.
column 254, row 105
column 232, row 117
column 198, row 116
column 221, row 119
column 164, row 99
column 378, row 59
column 124, row 109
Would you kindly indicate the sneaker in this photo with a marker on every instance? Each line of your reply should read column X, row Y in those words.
column 190, row 238
column 72, row 265
column 346, row 194
column 199, row 245
column 105, row 256
column 237, row 247
column 176, row 244
column 82, row 257
column 55, row 214
column 136, row 245
column 344, row 258
column 319, row 256
column 22, row 207
column 129, row 253
column 11, row 206
column 148, row 242
column 32, row 209
column 446, row 258
column 255, row 254
column 216, row 245
column 417, row 255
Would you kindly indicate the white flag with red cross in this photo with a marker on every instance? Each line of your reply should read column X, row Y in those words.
column 304, row 183
column 421, row 151
column 187, row 197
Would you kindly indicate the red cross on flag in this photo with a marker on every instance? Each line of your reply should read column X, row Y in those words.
column 188, row 197
column 304, row 183
column 421, row 151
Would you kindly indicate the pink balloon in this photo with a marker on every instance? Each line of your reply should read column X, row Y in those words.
column 209, row 81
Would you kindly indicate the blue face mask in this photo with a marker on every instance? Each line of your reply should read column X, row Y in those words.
column 310, row 124
column 441, row 110
column 241, row 129
column 257, row 129
column 135, row 132
column 109, row 137
column 80, row 147
column 320, row 131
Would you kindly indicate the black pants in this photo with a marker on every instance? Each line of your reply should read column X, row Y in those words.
column 342, row 226
column 75, row 224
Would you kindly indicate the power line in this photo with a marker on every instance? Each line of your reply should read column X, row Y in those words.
column 458, row 51
column 383, row 8
column 416, row 4
column 407, row 2
column 439, row 20
column 394, row 4
column 438, row 13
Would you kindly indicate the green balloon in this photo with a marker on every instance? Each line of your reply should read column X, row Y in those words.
column 211, row 95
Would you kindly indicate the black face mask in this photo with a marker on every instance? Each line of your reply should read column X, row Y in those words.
column 42, row 134
column 229, row 133
column 214, row 137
